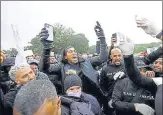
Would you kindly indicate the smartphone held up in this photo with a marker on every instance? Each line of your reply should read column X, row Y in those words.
column 50, row 31
column 117, row 39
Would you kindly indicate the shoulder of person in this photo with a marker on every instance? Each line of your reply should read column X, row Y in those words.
column 88, row 97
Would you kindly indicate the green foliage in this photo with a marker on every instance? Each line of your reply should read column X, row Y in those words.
column 11, row 52
column 92, row 49
column 143, row 47
column 36, row 46
column 63, row 38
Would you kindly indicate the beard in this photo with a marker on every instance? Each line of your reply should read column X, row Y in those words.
column 117, row 63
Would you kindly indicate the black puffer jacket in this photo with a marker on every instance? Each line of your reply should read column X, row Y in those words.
column 124, row 92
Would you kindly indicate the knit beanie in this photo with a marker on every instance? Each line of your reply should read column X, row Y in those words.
column 72, row 80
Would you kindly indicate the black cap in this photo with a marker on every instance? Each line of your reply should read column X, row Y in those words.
column 9, row 61
column 72, row 80
column 33, row 61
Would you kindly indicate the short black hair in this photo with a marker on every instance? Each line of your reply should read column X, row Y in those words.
column 64, row 54
column 32, row 95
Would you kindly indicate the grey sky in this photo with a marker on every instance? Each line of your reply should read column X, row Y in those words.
column 80, row 15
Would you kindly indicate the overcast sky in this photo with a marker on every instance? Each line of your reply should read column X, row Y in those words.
column 114, row 16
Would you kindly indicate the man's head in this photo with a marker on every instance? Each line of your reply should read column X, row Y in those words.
column 29, row 55
column 21, row 74
column 116, row 56
column 38, row 97
column 70, row 55
column 52, row 59
column 72, row 85
column 34, row 65
column 37, row 57
column 158, row 65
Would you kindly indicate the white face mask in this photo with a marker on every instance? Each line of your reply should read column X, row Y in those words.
column 74, row 94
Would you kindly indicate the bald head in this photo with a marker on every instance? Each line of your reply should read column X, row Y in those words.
column 115, row 50
column 116, row 56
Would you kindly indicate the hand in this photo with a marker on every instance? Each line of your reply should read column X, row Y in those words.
column 126, row 44
column 2, row 56
column 148, row 26
column 150, row 74
column 144, row 109
column 43, row 38
column 118, row 75
column 113, row 39
column 99, row 31
column 157, row 80
column 110, row 103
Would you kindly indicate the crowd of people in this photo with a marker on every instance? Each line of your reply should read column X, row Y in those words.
column 110, row 82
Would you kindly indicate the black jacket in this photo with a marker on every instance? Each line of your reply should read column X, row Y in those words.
column 124, row 92
column 88, row 75
column 86, row 98
column 144, row 82
column 106, row 78
column 7, row 101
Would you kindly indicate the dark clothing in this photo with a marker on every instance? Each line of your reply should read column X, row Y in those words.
column 41, row 76
column 95, row 107
column 159, row 101
column 143, row 82
column 124, row 92
column 107, row 81
column 1, row 102
column 55, row 79
column 8, row 100
column 150, row 58
column 88, row 75
column 135, row 76
column 85, row 98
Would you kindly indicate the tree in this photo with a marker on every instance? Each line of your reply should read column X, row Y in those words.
column 143, row 47
column 92, row 49
column 11, row 52
column 36, row 46
column 63, row 38
column 79, row 42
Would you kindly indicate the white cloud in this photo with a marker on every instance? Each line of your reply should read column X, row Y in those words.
column 80, row 15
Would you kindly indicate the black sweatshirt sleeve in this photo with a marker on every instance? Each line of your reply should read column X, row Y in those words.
column 104, row 79
column 135, row 76
column 148, row 59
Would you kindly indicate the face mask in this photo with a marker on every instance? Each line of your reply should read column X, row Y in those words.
column 74, row 94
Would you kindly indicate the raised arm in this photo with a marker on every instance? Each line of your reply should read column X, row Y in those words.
column 127, row 48
column 98, row 60
column 44, row 64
